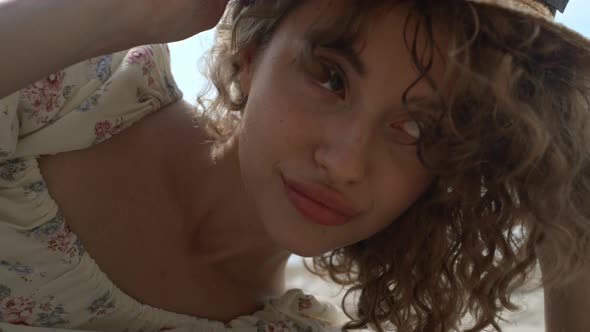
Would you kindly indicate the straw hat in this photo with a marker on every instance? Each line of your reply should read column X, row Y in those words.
column 542, row 11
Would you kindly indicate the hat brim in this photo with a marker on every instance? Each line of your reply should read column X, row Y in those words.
column 568, row 35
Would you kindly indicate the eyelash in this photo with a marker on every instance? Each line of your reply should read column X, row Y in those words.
column 333, row 70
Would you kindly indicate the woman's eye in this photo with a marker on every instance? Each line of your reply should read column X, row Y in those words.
column 329, row 77
column 407, row 131
column 332, row 80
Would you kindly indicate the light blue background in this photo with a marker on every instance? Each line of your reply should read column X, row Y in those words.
column 186, row 54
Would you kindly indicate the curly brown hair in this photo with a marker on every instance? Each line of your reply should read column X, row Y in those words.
column 509, row 148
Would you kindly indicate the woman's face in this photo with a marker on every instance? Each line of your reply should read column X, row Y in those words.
column 332, row 129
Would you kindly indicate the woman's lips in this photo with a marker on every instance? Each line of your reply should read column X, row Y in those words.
column 318, row 203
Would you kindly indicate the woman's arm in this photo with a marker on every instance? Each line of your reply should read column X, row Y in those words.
column 38, row 37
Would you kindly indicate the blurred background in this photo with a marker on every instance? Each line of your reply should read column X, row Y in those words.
column 187, row 67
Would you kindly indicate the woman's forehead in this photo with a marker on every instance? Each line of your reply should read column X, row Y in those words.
column 346, row 17
column 375, row 38
column 352, row 23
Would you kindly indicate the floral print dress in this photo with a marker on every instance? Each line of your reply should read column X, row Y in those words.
column 47, row 279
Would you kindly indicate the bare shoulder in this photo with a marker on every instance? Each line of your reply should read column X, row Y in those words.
column 173, row 127
column 172, row 117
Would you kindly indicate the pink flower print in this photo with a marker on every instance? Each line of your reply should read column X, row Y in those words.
column 25, row 311
column 277, row 326
column 41, row 99
column 54, row 81
column 51, row 83
column 17, row 310
column 141, row 56
column 61, row 241
column 304, row 303
column 101, row 129
column 106, row 129
column 144, row 57
column 58, row 237
column 44, row 96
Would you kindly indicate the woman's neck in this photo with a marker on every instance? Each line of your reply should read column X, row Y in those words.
column 221, row 224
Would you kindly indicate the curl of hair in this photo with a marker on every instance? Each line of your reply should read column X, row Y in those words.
column 245, row 24
column 510, row 149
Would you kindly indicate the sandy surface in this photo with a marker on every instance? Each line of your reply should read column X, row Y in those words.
column 529, row 319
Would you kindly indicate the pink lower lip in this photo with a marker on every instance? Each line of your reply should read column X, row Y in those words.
column 314, row 211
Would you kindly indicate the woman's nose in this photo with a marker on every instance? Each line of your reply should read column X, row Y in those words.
column 343, row 154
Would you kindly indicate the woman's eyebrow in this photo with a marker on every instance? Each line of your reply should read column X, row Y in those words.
column 344, row 49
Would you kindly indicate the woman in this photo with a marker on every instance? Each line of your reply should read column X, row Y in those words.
column 424, row 153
